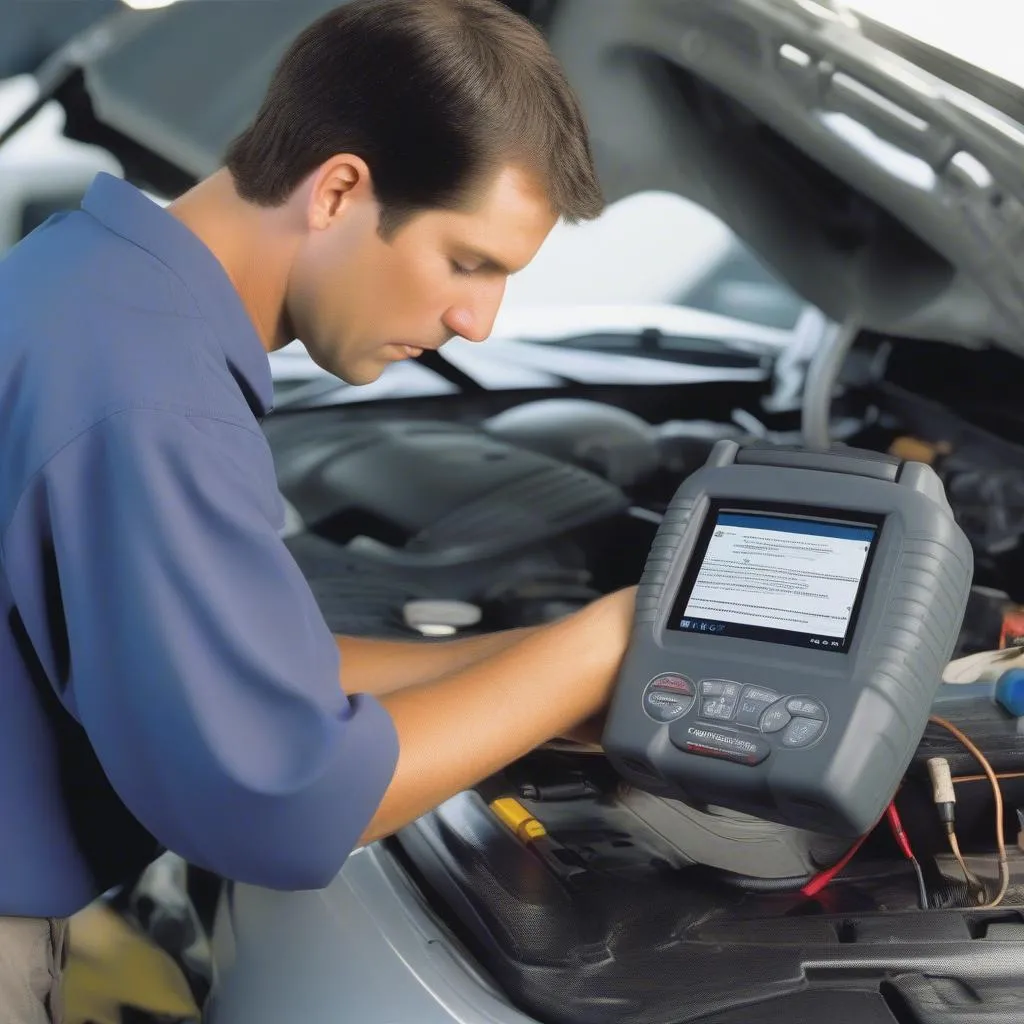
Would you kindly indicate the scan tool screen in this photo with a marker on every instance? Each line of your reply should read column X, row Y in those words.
column 776, row 577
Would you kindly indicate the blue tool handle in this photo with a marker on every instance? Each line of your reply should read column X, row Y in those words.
column 1009, row 691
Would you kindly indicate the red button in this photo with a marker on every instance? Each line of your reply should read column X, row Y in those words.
column 677, row 684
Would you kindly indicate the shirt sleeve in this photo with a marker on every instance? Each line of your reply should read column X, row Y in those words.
column 189, row 646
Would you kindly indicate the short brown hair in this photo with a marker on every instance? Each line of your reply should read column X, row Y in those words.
column 434, row 95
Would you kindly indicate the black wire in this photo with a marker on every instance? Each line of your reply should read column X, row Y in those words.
column 922, row 889
column 762, row 885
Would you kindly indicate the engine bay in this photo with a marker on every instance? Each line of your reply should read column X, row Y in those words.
column 500, row 511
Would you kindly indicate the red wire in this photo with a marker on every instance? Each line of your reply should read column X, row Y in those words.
column 897, row 830
column 816, row 884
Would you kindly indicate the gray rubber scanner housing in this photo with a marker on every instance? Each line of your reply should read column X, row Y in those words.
column 878, row 694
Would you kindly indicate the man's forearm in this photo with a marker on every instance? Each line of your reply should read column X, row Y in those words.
column 380, row 667
column 459, row 729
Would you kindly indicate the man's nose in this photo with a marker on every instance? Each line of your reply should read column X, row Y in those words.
column 474, row 322
column 468, row 324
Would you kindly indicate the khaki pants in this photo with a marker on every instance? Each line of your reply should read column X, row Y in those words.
column 32, row 956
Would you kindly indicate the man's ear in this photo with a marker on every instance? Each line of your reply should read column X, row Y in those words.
column 335, row 185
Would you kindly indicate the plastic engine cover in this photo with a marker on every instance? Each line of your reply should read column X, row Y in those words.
column 433, row 487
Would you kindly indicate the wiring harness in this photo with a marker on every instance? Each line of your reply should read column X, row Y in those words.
column 944, row 796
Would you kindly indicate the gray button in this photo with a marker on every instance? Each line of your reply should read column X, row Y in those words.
column 750, row 710
column 775, row 718
column 719, row 708
column 664, row 707
column 801, row 732
column 761, row 695
column 805, row 708
column 721, row 688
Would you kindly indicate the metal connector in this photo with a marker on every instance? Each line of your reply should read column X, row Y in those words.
column 943, row 791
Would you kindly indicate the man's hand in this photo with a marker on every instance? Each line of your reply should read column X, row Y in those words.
column 458, row 730
column 588, row 732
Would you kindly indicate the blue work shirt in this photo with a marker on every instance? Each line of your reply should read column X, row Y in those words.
column 166, row 677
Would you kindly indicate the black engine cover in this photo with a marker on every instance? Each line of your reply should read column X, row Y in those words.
column 432, row 489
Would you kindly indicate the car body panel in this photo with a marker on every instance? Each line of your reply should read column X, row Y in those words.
column 365, row 949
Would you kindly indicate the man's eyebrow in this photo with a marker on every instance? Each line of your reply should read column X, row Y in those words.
column 487, row 262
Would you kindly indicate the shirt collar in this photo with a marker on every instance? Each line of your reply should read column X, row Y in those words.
column 125, row 210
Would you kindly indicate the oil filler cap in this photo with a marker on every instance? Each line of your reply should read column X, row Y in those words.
column 440, row 617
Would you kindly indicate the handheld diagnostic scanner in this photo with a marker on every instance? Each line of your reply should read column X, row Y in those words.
column 792, row 625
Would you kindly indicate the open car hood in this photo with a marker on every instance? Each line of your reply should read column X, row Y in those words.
column 882, row 180
column 879, row 190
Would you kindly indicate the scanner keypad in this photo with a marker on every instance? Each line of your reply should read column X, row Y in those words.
column 745, row 712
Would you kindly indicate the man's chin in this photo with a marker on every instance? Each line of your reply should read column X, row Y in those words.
column 366, row 373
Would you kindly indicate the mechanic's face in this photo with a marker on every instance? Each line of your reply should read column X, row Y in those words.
column 359, row 303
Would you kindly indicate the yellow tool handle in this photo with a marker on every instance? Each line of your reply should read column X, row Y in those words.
column 518, row 819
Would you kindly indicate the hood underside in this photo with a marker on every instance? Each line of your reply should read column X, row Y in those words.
column 883, row 193
column 880, row 192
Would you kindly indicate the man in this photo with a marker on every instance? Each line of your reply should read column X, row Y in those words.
column 167, row 680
